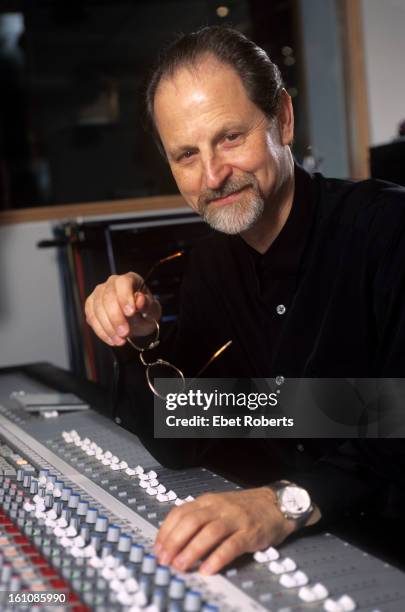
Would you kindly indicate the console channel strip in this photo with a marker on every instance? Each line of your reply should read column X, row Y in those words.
column 81, row 502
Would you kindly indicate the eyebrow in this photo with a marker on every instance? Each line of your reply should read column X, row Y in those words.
column 217, row 137
column 182, row 149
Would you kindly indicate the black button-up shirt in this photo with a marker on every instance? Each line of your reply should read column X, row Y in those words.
column 275, row 274
column 338, row 267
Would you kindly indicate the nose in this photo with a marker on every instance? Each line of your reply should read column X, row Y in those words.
column 216, row 172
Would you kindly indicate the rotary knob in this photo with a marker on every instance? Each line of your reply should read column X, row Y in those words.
column 192, row 601
column 101, row 524
column 177, row 588
column 66, row 493
column 66, row 514
column 27, row 481
column 113, row 533
column 91, row 516
column 82, row 508
column 58, row 486
column 34, row 487
column 95, row 541
column 124, row 543
column 48, row 501
column 136, row 553
column 73, row 500
column 85, row 533
column 74, row 522
column 149, row 564
column 162, row 576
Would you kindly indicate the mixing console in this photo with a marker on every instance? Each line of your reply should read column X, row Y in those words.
column 81, row 501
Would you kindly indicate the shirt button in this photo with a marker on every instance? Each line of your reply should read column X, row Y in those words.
column 280, row 380
column 300, row 447
column 281, row 309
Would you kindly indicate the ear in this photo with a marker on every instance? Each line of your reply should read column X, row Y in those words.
column 286, row 118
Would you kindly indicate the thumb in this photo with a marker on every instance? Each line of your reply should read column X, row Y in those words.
column 147, row 304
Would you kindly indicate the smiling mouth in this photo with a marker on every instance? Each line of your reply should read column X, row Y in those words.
column 228, row 199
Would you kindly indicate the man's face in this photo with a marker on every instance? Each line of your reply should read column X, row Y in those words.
column 226, row 157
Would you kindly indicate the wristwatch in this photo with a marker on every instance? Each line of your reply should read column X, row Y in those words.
column 294, row 501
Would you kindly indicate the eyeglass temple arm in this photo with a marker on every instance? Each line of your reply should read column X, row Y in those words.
column 213, row 357
column 158, row 263
column 145, row 280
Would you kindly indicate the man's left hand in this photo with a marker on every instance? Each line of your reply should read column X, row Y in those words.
column 222, row 526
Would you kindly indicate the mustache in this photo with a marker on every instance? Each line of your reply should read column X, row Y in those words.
column 214, row 194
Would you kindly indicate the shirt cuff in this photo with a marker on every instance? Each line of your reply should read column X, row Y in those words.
column 336, row 492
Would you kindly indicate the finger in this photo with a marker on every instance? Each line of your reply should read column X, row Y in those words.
column 171, row 520
column 182, row 533
column 140, row 302
column 97, row 328
column 103, row 319
column 233, row 546
column 177, row 514
column 125, row 285
column 147, row 304
column 206, row 539
column 113, row 311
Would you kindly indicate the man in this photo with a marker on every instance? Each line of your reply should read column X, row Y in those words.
column 306, row 276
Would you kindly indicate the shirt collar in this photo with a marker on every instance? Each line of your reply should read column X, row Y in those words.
column 284, row 255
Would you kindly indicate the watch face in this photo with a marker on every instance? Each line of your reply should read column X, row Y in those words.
column 295, row 500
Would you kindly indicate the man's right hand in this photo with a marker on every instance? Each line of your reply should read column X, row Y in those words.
column 116, row 309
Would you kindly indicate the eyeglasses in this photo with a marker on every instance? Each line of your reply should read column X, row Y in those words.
column 162, row 376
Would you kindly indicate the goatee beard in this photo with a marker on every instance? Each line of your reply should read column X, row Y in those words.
column 235, row 217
